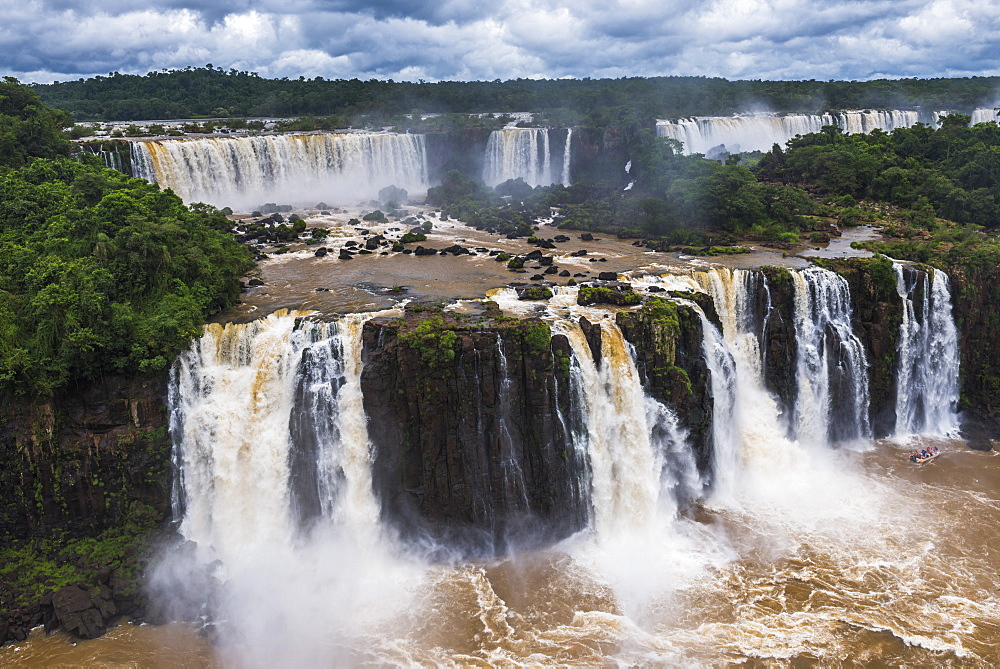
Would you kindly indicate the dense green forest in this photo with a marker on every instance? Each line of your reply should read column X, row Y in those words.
column 952, row 172
column 208, row 91
column 99, row 273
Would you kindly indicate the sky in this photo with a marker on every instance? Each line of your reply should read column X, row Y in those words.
column 55, row 40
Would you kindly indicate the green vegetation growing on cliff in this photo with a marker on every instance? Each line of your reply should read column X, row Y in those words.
column 432, row 339
column 99, row 273
column 32, row 568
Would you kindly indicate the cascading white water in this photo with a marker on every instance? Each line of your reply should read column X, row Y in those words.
column 247, row 171
column 927, row 355
column 753, row 435
column 832, row 374
column 111, row 159
column 727, row 459
column 625, row 470
column 567, row 157
column 761, row 132
column 233, row 397
column 511, row 458
column 522, row 152
column 236, row 397
column 984, row 116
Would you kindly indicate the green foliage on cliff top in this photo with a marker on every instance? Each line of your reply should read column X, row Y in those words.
column 537, row 336
column 28, row 129
column 100, row 273
column 433, row 341
column 605, row 295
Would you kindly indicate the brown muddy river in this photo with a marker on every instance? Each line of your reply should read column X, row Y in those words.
column 890, row 564
column 299, row 280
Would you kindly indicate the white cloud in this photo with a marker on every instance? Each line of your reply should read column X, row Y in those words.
column 42, row 40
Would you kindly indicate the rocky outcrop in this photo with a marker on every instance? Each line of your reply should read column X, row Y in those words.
column 774, row 297
column 670, row 358
column 470, row 420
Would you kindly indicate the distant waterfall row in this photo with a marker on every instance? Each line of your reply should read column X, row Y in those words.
column 540, row 156
column 247, row 171
column 734, row 134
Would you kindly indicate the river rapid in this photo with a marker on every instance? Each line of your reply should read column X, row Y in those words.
column 875, row 562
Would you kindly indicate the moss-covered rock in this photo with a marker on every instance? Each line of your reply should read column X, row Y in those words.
column 615, row 294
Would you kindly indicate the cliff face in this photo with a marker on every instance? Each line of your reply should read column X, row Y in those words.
column 461, row 150
column 74, row 464
column 599, row 155
column 977, row 296
column 86, row 480
column 470, row 424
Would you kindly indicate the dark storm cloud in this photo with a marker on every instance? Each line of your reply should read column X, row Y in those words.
column 42, row 40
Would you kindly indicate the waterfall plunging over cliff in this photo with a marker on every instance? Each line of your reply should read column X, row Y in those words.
column 525, row 153
column 928, row 359
column 268, row 416
column 639, row 461
column 247, row 171
column 324, row 463
column 567, row 157
column 761, row 132
column 832, row 375
column 984, row 115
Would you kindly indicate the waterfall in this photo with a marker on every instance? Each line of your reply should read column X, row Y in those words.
column 515, row 488
column 524, row 153
column 111, row 159
column 984, row 116
column 760, row 132
column 566, row 157
column 639, row 460
column 237, row 396
column 927, row 354
column 832, row 374
column 748, row 427
column 247, row 171
column 726, row 456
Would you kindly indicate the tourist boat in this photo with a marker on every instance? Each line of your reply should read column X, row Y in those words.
column 921, row 459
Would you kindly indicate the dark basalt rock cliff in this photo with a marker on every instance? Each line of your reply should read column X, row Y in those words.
column 75, row 463
column 469, row 420
column 774, row 298
column 669, row 356
column 85, row 479
column 976, row 291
